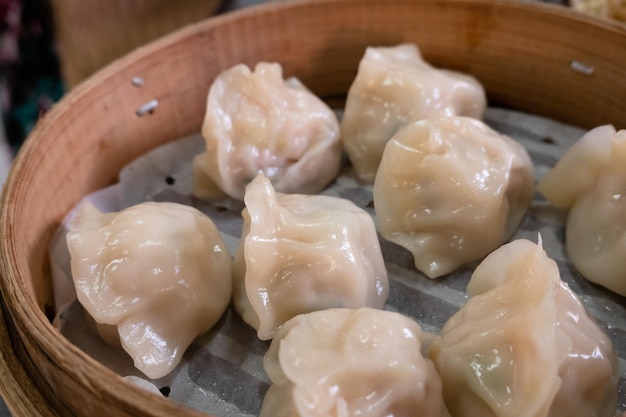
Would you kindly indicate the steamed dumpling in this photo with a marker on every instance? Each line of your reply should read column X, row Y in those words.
column 342, row 362
column 451, row 190
column 159, row 272
column 394, row 86
column 301, row 253
column 258, row 122
column 590, row 181
column 523, row 345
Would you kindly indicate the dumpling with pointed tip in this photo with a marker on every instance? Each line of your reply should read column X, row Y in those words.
column 393, row 87
column 590, row 181
column 302, row 253
column 255, row 122
column 343, row 362
column 159, row 272
column 451, row 190
column 524, row 345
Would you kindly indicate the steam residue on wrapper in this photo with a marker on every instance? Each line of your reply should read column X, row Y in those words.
column 222, row 372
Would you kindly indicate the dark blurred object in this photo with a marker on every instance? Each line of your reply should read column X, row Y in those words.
column 92, row 33
column 231, row 5
column 29, row 71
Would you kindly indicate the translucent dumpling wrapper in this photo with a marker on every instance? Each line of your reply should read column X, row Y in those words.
column 258, row 122
column 523, row 345
column 343, row 362
column 156, row 275
column 590, row 181
column 393, row 87
column 451, row 190
column 302, row 253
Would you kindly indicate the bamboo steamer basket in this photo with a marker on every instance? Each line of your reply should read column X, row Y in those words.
column 534, row 57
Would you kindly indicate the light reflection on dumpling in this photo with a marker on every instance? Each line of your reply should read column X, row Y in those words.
column 343, row 362
column 257, row 122
column 523, row 345
column 159, row 273
column 301, row 253
column 590, row 181
column 393, row 87
column 450, row 189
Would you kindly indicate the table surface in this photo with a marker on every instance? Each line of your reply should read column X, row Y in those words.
column 229, row 5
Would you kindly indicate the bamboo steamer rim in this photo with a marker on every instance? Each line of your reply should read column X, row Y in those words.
column 39, row 365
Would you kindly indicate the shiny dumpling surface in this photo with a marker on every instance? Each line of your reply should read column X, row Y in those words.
column 590, row 181
column 523, row 345
column 394, row 86
column 343, row 362
column 159, row 272
column 255, row 122
column 301, row 253
column 450, row 189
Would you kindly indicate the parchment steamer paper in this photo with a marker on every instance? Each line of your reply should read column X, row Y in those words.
column 222, row 372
